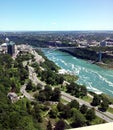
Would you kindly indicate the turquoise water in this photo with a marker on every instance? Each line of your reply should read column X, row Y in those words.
column 95, row 78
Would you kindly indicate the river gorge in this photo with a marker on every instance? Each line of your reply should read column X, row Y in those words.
column 95, row 78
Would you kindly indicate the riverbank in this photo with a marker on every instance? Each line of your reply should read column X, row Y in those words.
column 106, row 66
column 91, row 55
column 97, row 79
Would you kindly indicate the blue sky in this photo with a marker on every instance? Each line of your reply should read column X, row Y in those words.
column 56, row 15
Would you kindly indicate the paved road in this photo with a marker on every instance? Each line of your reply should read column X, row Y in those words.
column 104, row 115
column 35, row 80
column 25, row 93
column 33, row 77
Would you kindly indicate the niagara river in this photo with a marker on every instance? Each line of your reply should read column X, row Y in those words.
column 95, row 78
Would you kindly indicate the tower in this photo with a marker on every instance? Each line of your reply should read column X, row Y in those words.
column 100, row 56
column 11, row 48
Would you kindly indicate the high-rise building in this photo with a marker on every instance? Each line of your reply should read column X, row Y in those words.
column 11, row 48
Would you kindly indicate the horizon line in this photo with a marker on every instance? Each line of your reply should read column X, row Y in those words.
column 53, row 30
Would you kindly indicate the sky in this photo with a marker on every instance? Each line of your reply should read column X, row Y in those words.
column 56, row 15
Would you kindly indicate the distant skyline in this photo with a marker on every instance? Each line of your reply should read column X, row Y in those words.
column 56, row 15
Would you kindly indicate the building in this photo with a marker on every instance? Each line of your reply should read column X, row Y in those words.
column 107, row 42
column 8, row 47
column 4, row 47
column 11, row 48
column 13, row 97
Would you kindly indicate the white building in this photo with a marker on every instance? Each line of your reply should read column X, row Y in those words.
column 4, row 47
column 107, row 42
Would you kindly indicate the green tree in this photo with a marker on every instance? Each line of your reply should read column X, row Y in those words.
column 83, row 91
column 96, row 100
column 26, row 123
column 74, row 104
column 28, row 107
column 83, row 109
column 14, row 119
column 49, row 125
column 90, row 115
column 48, row 92
column 104, row 105
column 60, row 125
column 37, row 113
column 60, row 106
column 41, row 96
column 56, row 95
column 53, row 112
column 78, row 120
column 65, row 113
column 71, row 87
column 29, row 86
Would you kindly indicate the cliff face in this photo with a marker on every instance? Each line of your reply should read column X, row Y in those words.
column 82, row 53
column 86, row 53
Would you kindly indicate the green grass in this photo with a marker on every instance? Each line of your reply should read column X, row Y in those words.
column 70, row 78
column 87, row 99
column 63, row 101
column 110, row 110
column 97, row 120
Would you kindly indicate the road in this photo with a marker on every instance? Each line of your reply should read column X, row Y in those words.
column 35, row 80
column 33, row 77
column 104, row 115
column 108, row 117
column 25, row 93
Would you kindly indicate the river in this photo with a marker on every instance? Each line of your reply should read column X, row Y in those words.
column 95, row 78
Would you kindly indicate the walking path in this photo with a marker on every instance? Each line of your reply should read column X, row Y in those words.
column 108, row 117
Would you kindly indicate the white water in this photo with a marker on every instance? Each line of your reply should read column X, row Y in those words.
column 95, row 78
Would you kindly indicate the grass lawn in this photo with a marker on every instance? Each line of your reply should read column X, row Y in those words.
column 87, row 99
column 110, row 110
column 63, row 101
column 70, row 78
column 97, row 120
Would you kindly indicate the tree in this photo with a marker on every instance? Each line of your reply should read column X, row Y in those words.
column 65, row 113
column 90, row 115
column 83, row 91
column 56, row 95
column 74, row 104
column 78, row 118
column 28, row 107
column 53, row 112
column 104, row 105
column 48, row 92
column 60, row 106
column 13, row 85
column 96, row 100
column 37, row 112
column 29, row 86
column 83, row 109
column 41, row 96
column 71, row 87
column 60, row 125
column 49, row 125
